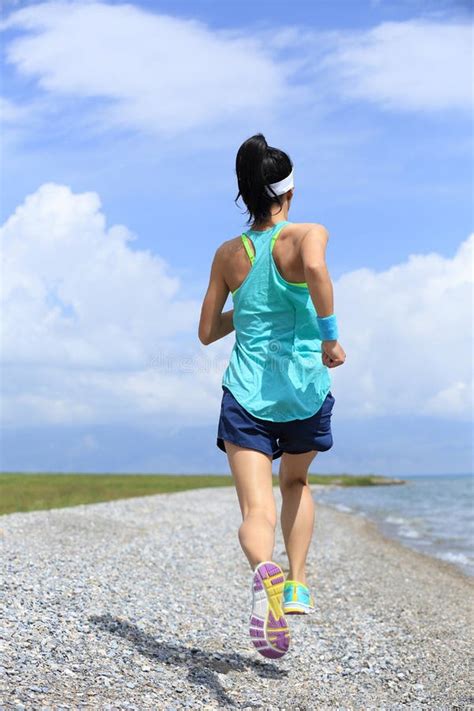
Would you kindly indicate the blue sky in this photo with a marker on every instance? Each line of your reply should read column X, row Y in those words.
column 120, row 127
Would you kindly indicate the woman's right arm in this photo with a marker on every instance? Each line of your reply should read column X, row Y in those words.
column 313, row 254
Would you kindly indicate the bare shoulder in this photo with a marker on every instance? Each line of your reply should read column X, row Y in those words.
column 304, row 229
column 224, row 248
column 229, row 247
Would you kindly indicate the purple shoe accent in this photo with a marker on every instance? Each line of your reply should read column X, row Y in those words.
column 259, row 643
column 272, row 622
column 256, row 621
column 257, row 583
column 280, row 640
column 275, row 581
column 257, row 633
column 272, row 569
column 271, row 653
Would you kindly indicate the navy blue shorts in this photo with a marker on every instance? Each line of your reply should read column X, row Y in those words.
column 295, row 437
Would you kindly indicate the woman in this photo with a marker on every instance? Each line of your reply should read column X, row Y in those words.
column 276, row 388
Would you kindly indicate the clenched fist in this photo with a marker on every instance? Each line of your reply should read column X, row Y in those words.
column 332, row 354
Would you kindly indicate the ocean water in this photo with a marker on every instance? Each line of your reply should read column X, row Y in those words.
column 432, row 514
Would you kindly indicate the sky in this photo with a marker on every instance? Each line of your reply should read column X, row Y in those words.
column 120, row 127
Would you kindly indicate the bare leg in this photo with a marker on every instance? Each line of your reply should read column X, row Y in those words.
column 252, row 473
column 297, row 511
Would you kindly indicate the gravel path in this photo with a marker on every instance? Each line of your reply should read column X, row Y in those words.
column 120, row 605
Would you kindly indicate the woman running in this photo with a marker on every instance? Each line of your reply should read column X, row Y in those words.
column 276, row 398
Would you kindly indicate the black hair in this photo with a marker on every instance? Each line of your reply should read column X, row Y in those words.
column 258, row 164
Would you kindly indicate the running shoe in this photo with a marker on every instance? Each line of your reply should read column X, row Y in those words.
column 297, row 599
column 268, row 628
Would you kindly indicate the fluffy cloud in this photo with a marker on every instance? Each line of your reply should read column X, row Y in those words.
column 412, row 66
column 166, row 75
column 92, row 329
column 408, row 336
column 154, row 72
column 96, row 331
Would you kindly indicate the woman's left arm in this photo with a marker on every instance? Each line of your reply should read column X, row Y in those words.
column 214, row 324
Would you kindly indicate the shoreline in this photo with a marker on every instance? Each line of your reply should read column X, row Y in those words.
column 426, row 551
column 125, row 604
column 376, row 530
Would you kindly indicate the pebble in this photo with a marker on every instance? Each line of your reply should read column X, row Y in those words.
column 121, row 606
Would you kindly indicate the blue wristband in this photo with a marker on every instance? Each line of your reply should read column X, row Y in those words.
column 327, row 327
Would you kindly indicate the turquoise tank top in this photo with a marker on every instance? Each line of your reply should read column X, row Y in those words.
column 275, row 370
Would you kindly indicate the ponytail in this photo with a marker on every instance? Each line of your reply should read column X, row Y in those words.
column 257, row 165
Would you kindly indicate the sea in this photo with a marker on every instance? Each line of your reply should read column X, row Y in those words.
column 431, row 514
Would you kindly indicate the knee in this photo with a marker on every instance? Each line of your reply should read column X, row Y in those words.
column 295, row 480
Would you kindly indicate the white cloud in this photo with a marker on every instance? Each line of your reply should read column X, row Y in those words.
column 165, row 75
column 94, row 330
column 413, row 65
column 407, row 332
column 155, row 72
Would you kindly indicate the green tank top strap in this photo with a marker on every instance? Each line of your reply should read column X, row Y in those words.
column 248, row 249
column 274, row 238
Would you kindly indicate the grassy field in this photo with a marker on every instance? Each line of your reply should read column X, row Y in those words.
column 32, row 492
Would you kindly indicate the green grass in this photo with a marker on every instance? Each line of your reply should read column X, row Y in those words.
column 33, row 492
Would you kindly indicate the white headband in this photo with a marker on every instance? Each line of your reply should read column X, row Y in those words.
column 282, row 186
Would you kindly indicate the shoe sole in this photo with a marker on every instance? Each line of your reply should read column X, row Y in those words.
column 297, row 609
column 268, row 628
